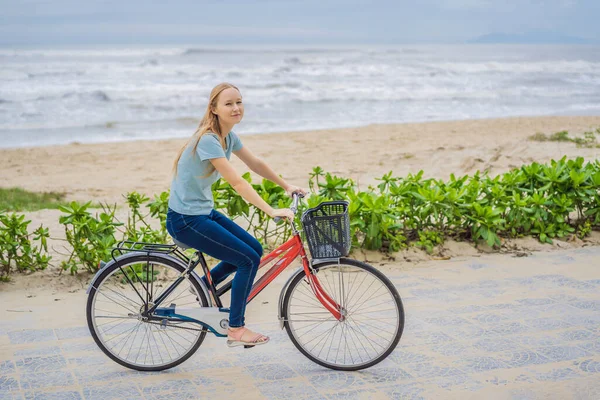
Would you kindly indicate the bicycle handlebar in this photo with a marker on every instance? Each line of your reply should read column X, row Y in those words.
column 294, row 207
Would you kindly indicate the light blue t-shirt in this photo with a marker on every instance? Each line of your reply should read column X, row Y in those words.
column 190, row 189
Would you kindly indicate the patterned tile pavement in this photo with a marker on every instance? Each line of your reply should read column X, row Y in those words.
column 524, row 329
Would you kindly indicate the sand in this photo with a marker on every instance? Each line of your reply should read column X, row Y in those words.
column 105, row 172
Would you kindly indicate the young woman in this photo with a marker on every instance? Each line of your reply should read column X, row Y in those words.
column 191, row 218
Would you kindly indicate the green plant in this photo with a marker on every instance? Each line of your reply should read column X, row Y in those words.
column 562, row 136
column 91, row 238
column 584, row 229
column 485, row 224
column 262, row 227
column 373, row 222
column 588, row 140
column 335, row 187
column 17, row 199
column 138, row 228
column 17, row 248
column 428, row 240
column 544, row 232
column 535, row 199
column 538, row 137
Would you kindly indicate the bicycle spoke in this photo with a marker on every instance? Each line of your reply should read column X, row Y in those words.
column 125, row 339
column 324, row 343
column 357, row 288
column 378, row 311
column 361, row 343
column 113, row 322
column 330, row 291
column 366, row 290
column 111, row 328
column 310, row 305
column 368, row 339
column 310, row 296
column 341, row 279
column 364, row 336
column 373, row 297
column 371, row 306
column 373, row 332
column 311, row 313
column 316, row 336
column 333, row 337
column 117, row 303
column 350, row 290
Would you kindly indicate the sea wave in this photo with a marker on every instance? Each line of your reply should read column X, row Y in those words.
column 94, row 95
column 54, row 74
column 569, row 67
column 195, row 51
column 153, row 92
column 152, row 63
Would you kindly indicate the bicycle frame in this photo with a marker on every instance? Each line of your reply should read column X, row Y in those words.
column 287, row 252
column 290, row 250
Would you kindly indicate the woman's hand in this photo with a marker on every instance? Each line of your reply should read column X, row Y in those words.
column 282, row 213
column 295, row 189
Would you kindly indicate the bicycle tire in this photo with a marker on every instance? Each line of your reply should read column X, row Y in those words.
column 109, row 272
column 303, row 348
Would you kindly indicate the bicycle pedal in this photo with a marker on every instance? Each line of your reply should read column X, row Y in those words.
column 246, row 346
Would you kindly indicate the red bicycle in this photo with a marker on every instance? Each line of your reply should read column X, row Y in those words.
column 149, row 310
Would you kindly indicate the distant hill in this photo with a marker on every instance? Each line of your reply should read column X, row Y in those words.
column 531, row 38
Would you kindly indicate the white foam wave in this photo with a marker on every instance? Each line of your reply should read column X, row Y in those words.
column 570, row 67
column 125, row 92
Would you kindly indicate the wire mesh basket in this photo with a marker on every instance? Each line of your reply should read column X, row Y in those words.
column 327, row 229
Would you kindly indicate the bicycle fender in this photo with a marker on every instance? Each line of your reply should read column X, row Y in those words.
column 300, row 270
column 158, row 255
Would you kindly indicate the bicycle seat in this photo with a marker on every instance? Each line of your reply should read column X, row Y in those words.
column 183, row 246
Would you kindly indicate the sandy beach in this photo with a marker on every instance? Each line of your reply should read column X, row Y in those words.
column 104, row 172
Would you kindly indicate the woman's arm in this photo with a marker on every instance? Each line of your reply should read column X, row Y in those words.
column 246, row 190
column 260, row 167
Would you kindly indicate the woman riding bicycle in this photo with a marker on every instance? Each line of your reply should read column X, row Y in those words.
column 193, row 221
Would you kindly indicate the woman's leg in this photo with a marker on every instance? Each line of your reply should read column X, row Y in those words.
column 238, row 231
column 223, row 269
column 207, row 236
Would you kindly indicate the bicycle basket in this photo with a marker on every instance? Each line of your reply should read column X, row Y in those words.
column 327, row 229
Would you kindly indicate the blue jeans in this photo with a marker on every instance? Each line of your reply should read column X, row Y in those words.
column 221, row 238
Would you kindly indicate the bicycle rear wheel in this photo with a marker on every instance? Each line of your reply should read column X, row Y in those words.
column 116, row 304
column 374, row 316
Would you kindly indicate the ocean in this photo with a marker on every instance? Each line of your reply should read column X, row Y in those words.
column 106, row 94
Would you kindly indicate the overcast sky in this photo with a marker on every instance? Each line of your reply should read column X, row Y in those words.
column 349, row 22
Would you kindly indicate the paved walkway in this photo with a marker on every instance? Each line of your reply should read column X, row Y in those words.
column 493, row 327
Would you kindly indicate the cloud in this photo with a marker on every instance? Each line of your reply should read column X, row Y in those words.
column 504, row 5
column 177, row 29
column 314, row 21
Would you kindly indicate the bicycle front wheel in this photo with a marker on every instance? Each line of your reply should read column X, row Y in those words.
column 373, row 323
column 115, row 313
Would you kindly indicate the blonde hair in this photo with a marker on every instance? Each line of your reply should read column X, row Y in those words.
column 209, row 123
